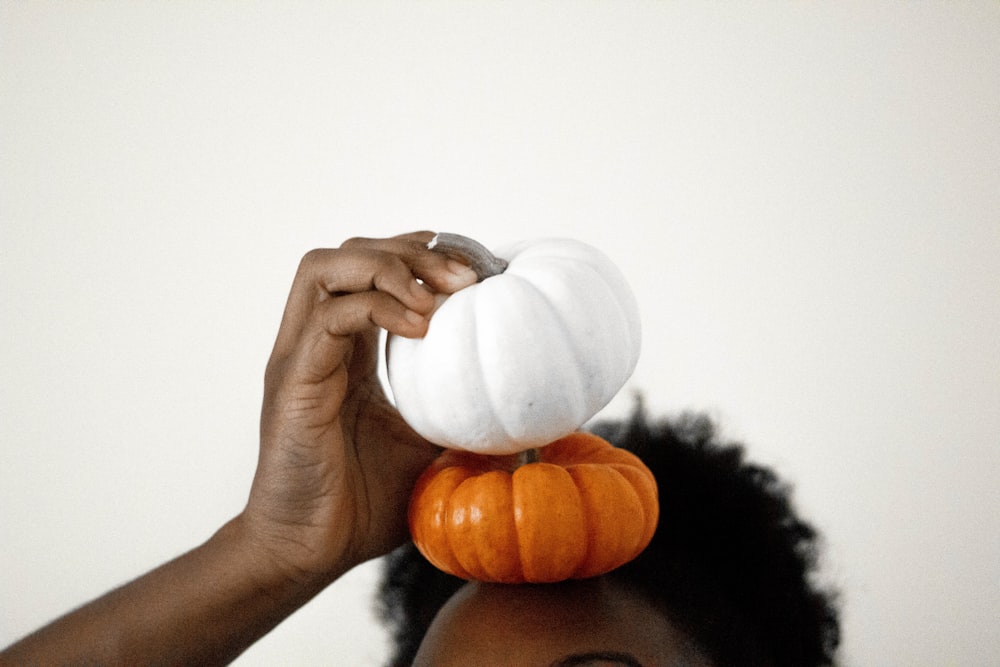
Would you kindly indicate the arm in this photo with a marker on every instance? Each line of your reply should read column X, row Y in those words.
column 205, row 607
column 335, row 469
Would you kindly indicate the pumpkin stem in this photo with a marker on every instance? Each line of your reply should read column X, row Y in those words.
column 475, row 254
column 527, row 456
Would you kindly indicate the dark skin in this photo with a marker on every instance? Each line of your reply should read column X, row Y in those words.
column 335, row 469
column 593, row 622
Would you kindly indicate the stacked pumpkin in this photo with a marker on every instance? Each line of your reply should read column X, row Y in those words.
column 509, row 370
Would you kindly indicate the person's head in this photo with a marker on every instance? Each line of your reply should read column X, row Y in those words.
column 588, row 622
column 727, row 580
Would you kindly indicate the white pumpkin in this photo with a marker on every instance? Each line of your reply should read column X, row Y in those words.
column 523, row 357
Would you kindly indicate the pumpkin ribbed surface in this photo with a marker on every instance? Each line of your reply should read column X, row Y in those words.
column 523, row 357
column 585, row 508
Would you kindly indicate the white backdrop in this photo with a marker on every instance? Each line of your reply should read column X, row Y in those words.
column 804, row 196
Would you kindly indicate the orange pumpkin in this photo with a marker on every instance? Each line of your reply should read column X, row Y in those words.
column 583, row 509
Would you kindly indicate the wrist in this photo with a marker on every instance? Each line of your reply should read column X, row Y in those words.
column 204, row 607
column 273, row 564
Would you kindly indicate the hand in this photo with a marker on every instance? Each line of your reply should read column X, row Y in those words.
column 337, row 462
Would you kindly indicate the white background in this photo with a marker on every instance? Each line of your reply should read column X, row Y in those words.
column 804, row 196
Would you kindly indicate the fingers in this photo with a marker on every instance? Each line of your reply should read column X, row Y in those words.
column 401, row 267
column 388, row 283
column 328, row 339
column 352, row 313
column 440, row 272
column 327, row 274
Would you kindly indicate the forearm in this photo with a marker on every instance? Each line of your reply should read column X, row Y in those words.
column 205, row 607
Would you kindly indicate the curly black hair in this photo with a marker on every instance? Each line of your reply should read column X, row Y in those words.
column 731, row 563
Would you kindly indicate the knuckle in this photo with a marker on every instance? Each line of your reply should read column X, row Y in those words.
column 355, row 242
column 313, row 257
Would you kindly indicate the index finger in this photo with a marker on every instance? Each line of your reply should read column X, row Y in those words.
column 439, row 271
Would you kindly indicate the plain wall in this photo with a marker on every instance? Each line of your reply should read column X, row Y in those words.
column 804, row 197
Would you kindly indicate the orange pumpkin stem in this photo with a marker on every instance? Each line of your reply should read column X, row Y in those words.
column 526, row 457
column 473, row 253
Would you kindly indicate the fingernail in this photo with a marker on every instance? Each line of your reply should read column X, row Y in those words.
column 461, row 272
column 414, row 317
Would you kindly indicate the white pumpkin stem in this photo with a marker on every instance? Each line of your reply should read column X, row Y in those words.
column 475, row 254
